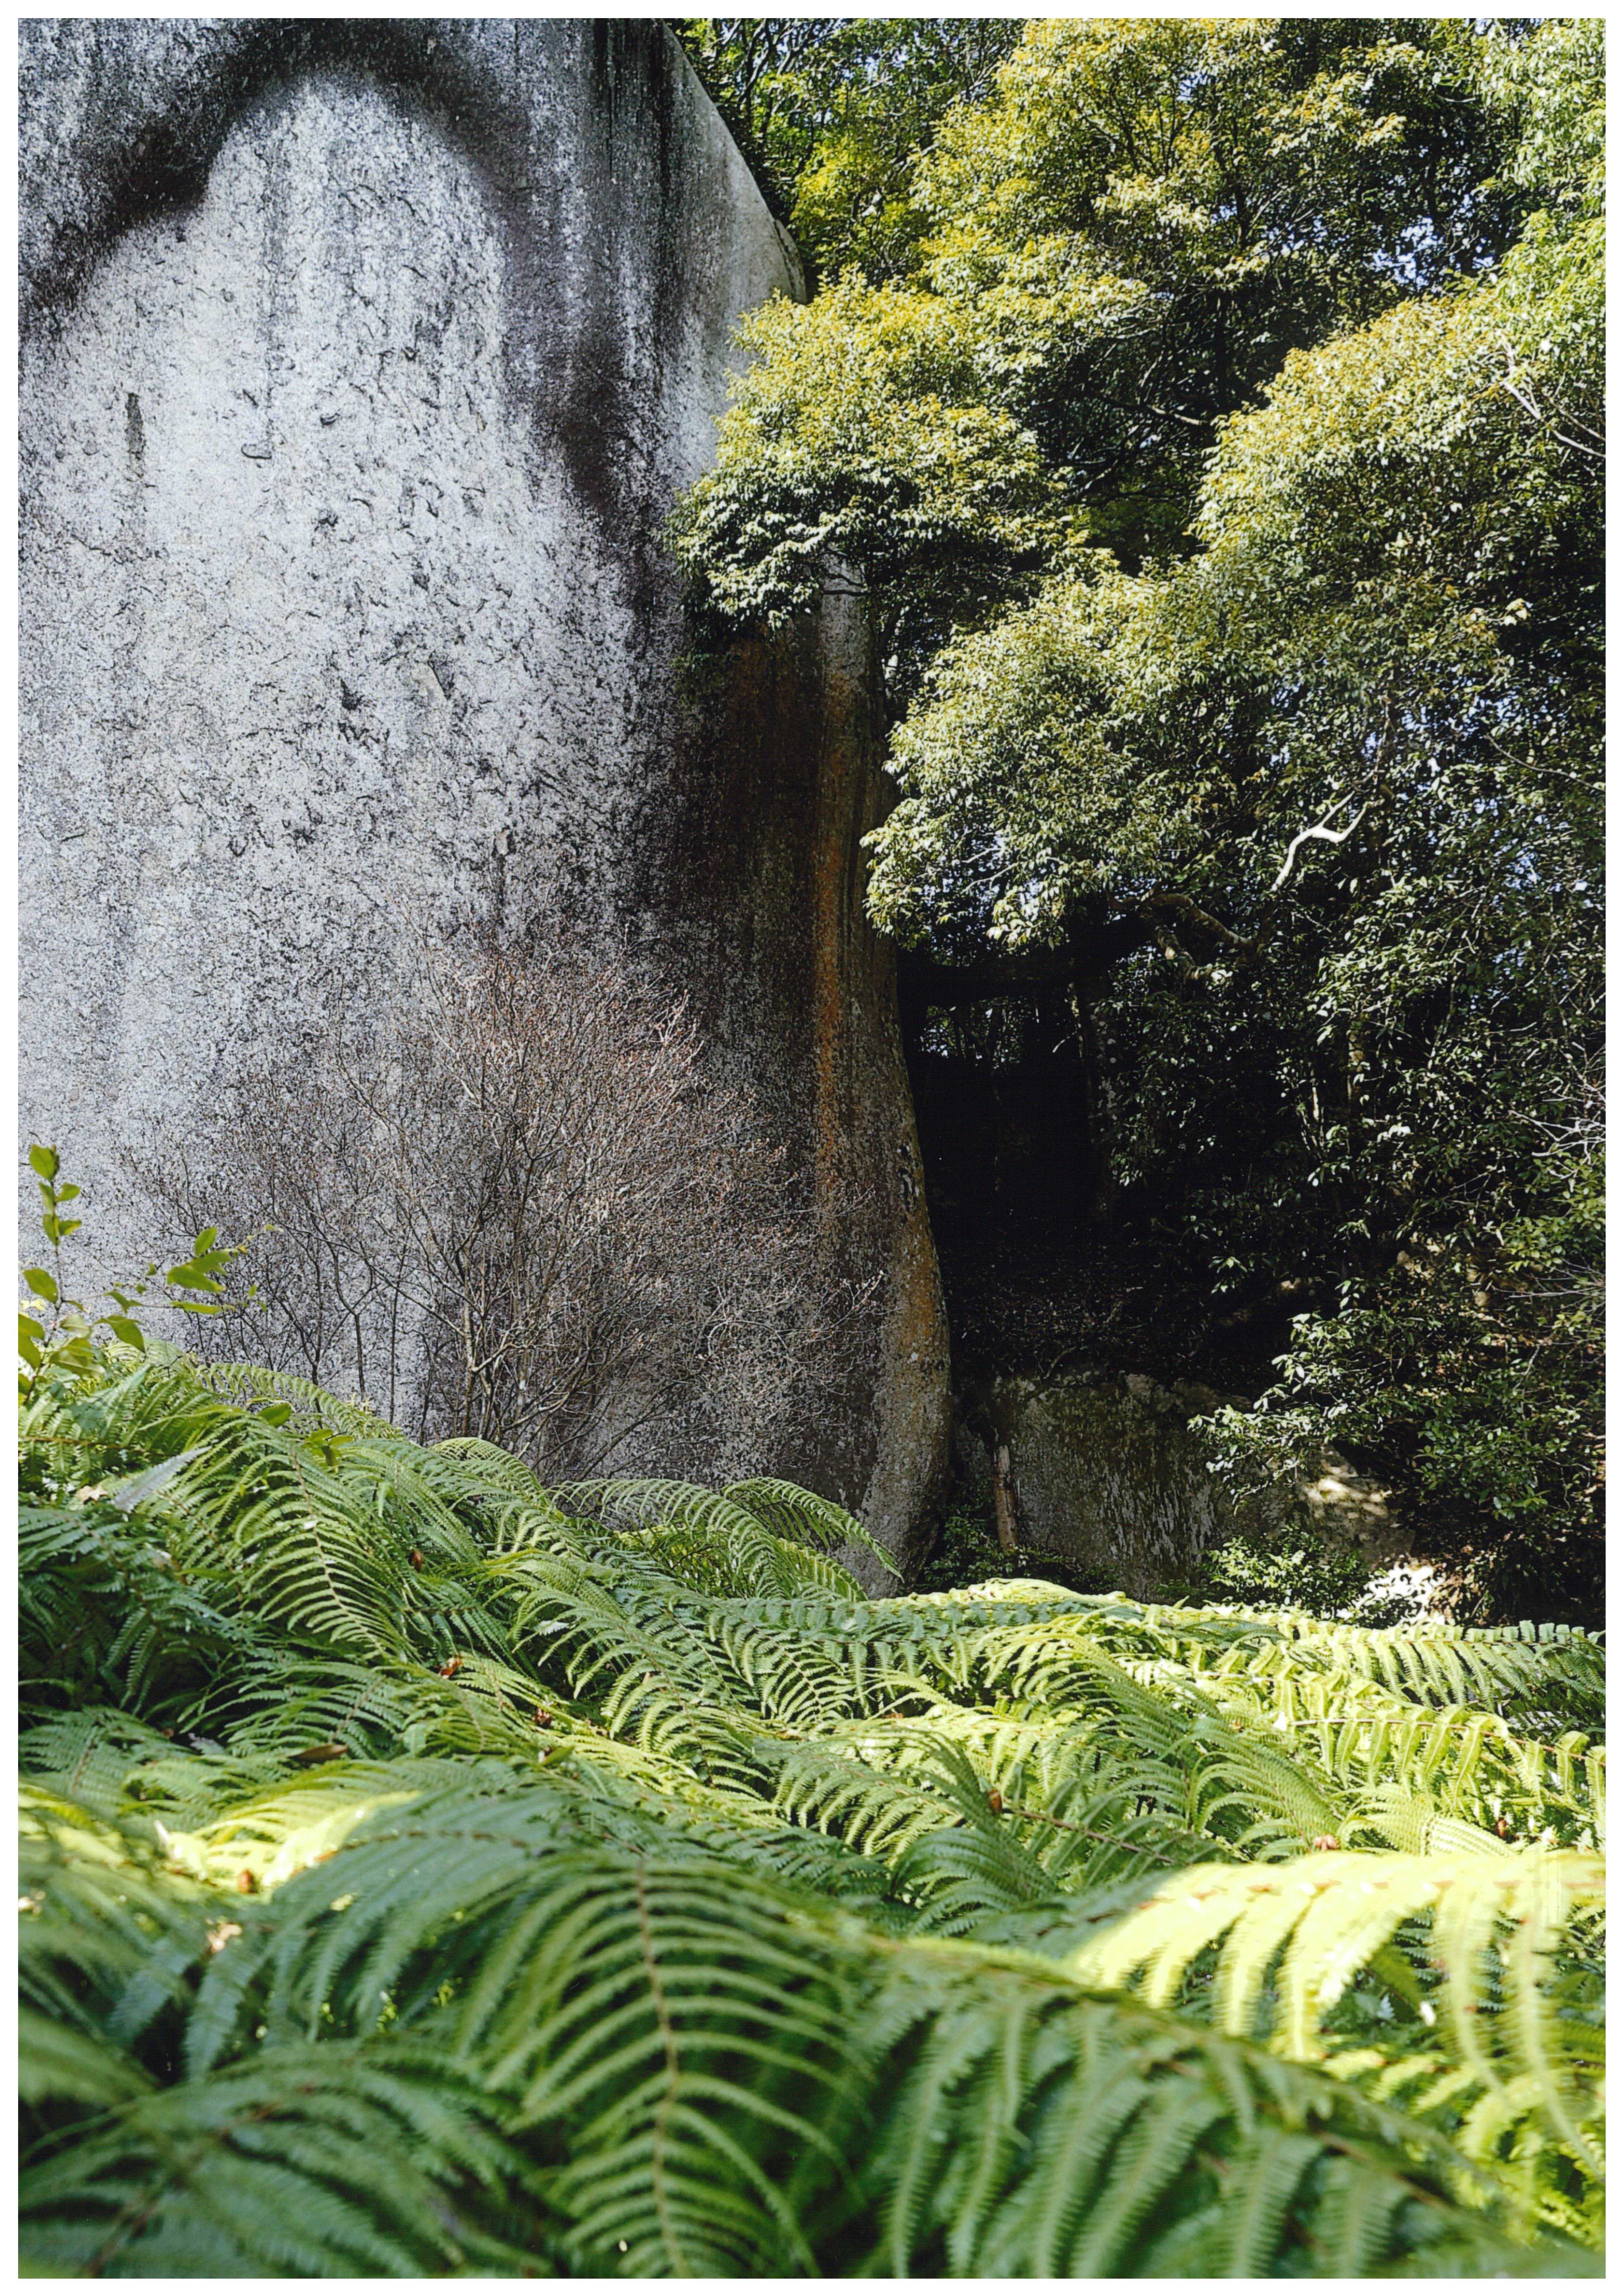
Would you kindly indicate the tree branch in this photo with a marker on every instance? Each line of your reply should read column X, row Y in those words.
column 1242, row 945
column 1322, row 830
column 925, row 978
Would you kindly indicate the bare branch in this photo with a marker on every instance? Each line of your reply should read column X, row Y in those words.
column 1324, row 833
column 524, row 1210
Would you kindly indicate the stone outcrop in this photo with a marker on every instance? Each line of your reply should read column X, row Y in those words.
column 362, row 361
column 1106, row 1472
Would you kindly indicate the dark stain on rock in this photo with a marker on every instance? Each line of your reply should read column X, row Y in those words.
column 749, row 851
column 134, row 429
column 590, row 340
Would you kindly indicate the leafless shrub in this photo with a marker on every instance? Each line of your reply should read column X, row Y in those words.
column 521, row 1210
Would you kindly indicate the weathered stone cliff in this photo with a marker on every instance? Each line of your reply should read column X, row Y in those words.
column 362, row 361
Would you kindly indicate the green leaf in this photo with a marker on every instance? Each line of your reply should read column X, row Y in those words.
column 127, row 1497
column 41, row 1281
column 45, row 1161
column 194, row 1275
column 123, row 1328
column 661, row 1903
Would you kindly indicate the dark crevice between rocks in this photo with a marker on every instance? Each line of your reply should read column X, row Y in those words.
column 1081, row 1353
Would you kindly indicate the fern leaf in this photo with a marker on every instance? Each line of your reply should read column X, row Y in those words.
column 307, row 2163
column 1294, row 1937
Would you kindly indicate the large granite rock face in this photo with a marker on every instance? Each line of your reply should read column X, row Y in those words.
column 361, row 365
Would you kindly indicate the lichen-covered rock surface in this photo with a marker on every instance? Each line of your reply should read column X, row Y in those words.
column 362, row 361
column 1106, row 1473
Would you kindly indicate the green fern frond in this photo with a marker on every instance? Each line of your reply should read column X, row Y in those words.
column 107, row 1943
column 253, row 1385
column 1033, row 2131
column 300, row 2163
column 801, row 1517
column 647, row 1899
column 1486, row 1932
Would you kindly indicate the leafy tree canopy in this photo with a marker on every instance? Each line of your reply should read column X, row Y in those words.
column 1224, row 470
column 833, row 112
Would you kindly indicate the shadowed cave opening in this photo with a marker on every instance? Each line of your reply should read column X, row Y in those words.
column 1081, row 1344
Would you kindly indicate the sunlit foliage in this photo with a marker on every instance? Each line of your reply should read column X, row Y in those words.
column 426, row 1873
column 833, row 112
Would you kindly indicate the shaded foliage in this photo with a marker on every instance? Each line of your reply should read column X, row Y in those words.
column 1225, row 478
column 833, row 112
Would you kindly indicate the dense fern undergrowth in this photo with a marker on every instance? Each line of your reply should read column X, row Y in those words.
column 425, row 1873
